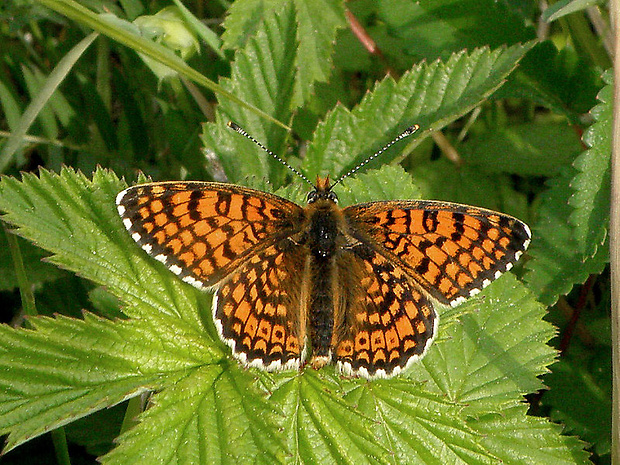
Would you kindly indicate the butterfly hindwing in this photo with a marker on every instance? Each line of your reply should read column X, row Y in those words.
column 258, row 309
column 388, row 321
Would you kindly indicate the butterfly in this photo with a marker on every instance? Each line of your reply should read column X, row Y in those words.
column 358, row 286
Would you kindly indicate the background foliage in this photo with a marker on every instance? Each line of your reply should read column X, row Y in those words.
column 514, row 105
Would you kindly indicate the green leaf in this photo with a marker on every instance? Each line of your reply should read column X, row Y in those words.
column 390, row 182
column 569, row 384
column 418, row 426
column 430, row 94
column 554, row 267
column 531, row 149
column 314, row 39
column 68, row 368
column 433, row 29
column 592, row 183
column 495, row 355
column 560, row 80
column 565, row 7
column 317, row 423
column 210, row 416
column 263, row 74
column 121, row 31
column 514, row 437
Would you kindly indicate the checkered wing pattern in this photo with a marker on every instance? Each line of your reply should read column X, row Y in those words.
column 452, row 251
column 386, row 321
column 258, row 308
column 204, row 231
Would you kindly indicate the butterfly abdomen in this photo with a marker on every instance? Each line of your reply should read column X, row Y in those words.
column 323, row 238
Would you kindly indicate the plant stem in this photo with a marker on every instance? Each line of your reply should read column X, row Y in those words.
column 615, row 242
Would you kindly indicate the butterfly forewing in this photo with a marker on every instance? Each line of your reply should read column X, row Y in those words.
column 451, row 250
column 202, row 231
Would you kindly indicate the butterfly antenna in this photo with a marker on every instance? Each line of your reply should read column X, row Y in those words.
column 240, row 130
column 407, row 132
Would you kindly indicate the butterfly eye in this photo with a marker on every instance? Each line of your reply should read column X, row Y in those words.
column 312, row 197
column 332, row 197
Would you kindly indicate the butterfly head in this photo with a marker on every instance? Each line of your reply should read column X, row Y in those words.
column 322, row 191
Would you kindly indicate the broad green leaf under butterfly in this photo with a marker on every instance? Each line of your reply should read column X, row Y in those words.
column 165, row 343
column 211, row 415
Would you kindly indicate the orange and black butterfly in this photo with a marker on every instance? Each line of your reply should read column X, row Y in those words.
column 320, row 283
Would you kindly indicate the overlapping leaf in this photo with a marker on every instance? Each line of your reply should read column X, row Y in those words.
column 264, row 75
column 554, row 267
column 314, row 38
column 430, row 94
column 592, row 183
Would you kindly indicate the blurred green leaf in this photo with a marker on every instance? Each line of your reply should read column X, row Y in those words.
column 434, row 29
column 38, row 103
column 116, row 29
column 38, row 270
column 566, row 7
column 443, row 180
column 554, row 267
column 581, row 402
column 531, row 149
column 560, row 80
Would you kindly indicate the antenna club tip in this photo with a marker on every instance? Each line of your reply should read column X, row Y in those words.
column 234, row 126
column 411, row 129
